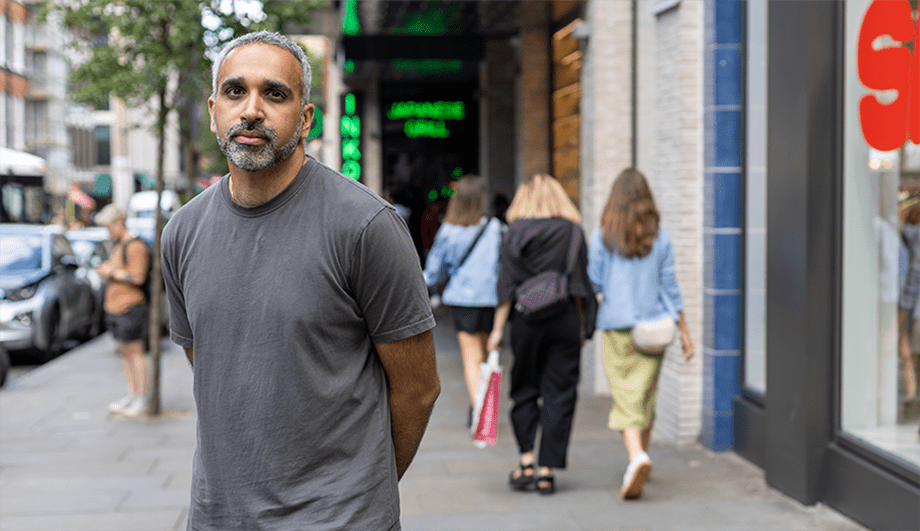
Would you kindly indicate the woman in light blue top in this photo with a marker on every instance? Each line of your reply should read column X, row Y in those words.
column 465, row 249
column 631, row 263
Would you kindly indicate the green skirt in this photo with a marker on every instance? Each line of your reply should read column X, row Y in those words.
column 633, row 379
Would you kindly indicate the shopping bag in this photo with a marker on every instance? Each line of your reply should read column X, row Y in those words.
column 488, row 395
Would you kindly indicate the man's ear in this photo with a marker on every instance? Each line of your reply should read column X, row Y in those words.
column 308, row 112
column 211, row 113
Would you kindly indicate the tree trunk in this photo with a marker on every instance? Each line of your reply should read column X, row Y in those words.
column 156, row 287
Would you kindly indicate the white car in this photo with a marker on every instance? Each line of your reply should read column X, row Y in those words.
column 141, row 214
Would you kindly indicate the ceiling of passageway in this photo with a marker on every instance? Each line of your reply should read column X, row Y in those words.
column 423, row 37
column 439, row 17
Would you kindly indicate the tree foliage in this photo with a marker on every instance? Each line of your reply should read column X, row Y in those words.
column 135, row 49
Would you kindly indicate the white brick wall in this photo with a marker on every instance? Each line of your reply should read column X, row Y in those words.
column 678, row 187
column 606, row 142
column 670, row 130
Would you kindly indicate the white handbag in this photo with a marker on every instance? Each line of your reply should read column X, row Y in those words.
column 653, row 337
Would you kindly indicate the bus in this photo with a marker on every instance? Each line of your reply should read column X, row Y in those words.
column 23, row 198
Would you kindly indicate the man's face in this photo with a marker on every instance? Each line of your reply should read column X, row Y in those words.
column 257, row 112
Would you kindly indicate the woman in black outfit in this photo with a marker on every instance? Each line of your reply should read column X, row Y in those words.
column 547, row 353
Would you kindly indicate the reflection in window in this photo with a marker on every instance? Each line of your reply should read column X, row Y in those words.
column 881, row 276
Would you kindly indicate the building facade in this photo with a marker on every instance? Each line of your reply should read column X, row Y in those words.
column 785, row 223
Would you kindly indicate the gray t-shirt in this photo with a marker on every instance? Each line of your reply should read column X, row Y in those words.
column 283, row 303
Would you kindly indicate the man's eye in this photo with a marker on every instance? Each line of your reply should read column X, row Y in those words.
column 276, row 94
column 234, row 91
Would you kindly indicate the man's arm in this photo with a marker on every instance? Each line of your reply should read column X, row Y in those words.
column 190, row 356
column 414, row 387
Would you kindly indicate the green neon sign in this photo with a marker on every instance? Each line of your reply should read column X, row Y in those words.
column 350, row 129
column 350, row 24
column 433, row 110
column 426, row 129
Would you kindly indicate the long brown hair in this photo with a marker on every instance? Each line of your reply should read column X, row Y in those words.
column 467, row 206
column 629, row 222
column 542, row 197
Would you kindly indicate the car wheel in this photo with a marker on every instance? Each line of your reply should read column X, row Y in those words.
column 93, row 328
column 4, row 365
column 55, row 336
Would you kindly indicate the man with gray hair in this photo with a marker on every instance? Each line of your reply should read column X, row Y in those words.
column 300, row 302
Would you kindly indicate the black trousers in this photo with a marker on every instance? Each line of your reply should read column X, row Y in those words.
column 547, row 362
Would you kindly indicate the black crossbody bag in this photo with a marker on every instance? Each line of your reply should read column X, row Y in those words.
column 546, row 294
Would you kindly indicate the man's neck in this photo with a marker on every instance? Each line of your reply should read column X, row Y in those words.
column 255, row 188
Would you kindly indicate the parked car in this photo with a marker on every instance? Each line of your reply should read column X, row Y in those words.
column 4, row 365
column 92, row 246
column 45, row 297
column 142, row 208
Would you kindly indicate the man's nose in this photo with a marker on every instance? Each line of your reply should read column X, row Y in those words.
column 252, row 110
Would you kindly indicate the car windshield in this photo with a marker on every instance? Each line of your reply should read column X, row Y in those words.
column 20, row 253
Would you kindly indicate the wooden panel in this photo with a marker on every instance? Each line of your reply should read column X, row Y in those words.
column 565, row 100
column 561, row 8
column 563, row 47
column 564, row 76
column 566, row 132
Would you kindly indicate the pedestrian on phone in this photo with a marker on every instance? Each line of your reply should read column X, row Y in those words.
column 126, row 306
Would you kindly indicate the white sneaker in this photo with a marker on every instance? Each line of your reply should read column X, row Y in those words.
column 119, row 405
column 636, row 475
column 136, row 408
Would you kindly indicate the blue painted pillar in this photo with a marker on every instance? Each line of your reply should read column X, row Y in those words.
column 723, row 115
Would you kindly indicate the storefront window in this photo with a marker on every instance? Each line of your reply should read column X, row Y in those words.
column 881, row 221
column 755, row 233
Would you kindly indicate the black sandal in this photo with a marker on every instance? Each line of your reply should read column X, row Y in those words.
column 522, row 480
column 546, row 484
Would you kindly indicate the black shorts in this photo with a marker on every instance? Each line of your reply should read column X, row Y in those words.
column 131, row 325
column 473, row 320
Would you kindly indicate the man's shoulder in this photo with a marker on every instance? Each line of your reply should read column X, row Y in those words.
column 347, row 189
column 346, row 199
column 188, row 216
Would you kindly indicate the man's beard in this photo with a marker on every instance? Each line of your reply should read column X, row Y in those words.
column 256, row 158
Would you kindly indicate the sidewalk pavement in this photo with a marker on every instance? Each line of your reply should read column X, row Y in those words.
column 67, row 465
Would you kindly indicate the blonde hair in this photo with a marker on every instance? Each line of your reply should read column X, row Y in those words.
column 542, row 197
column 629, row 222
column 467, row 206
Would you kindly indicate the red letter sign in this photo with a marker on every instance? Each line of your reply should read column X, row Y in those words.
column 885, row 126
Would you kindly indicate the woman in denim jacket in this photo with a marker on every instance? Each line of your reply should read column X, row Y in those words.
column 631, row 263
column 471, row 291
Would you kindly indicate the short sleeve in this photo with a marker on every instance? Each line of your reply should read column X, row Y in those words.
column 179, row 328
column 387, row 280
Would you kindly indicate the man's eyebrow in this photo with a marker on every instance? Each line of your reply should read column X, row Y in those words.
column 269, row 84
column 277, row 85
column 232, row 81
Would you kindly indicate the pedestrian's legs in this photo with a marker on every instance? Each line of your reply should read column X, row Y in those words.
column 473, row 352
column 525, row 381
column 558, row 387
column 132, row 355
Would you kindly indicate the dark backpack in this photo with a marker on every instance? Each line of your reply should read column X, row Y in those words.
column 148, row 280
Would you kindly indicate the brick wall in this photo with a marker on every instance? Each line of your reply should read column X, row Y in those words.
column 677, row 183
column 606, row 136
